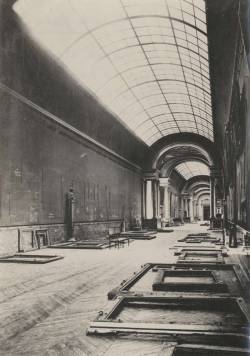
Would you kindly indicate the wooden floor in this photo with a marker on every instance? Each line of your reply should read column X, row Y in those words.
column 45, row 309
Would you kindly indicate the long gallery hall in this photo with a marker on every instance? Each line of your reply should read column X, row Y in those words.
column 124, row 177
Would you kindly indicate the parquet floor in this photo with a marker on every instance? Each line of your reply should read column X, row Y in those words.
column 45, row 309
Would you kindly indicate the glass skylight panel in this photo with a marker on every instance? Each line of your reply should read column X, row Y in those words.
column 129, row 55
column 140, row 119
column 170, row 131
column 145, row 125
column 191, row 169
column 145, row 67
column 161, row 119
column 184, row 116
column 114, row 32
column 166, row 30
column 202, row 40
column 154, row 137
column 158, row 109
column 150, row 131
column 134, row 109
column 200, row 15
column 138, row 75
column 127, row 97
column 181, row 108
column 152, row 100
column 113, row 88
column 187, row 7
column 192, row 40
column 177, row 98
column 167, row 125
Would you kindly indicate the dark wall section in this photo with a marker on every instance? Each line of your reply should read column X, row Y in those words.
column 223, row 33
column 30, row 71
column 41, row 160
column 228, row 30
column 177, row 181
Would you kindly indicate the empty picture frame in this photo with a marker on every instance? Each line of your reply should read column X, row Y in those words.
column 135, row 284
column 187, row 319
column 139, row 235
column 201, row 239
column 26, row 240
column 42, row 238
column 188, row 281
column 205, row 249
column 26, row 258
column 207, row 350
column 85, row 244
column 193, row 256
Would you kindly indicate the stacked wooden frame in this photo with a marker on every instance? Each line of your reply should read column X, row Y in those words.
column 32, row 239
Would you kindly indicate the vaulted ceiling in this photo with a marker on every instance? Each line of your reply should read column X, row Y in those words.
column 191, row 169
column 145, row 60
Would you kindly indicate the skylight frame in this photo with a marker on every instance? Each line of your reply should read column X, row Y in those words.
column 145, row 33
column 190, row 169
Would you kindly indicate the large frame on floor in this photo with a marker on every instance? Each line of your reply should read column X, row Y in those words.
column 201, row 256
column 235, row 334
column 203, row 350
column 214, row 285
column 125, row 287
column 85, row 244
column 30, row 258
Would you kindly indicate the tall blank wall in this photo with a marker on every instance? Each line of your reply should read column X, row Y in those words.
column 41, row 161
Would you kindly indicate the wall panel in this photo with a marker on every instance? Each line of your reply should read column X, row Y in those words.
column 42, row 161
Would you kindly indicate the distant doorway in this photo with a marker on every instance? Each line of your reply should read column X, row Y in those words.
column 206, row 212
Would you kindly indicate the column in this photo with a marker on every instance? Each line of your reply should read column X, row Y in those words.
column 184, row 207
column 155, row 198
column 164, row 183
column 152, row 198
column 212, row 196
column 70, row 200
column 195, row 208
column 143, row 199
column 188, row 208
column 157, row 194
column 149, row 199
column 191, row 209
column 200, row 210
column 159, row 200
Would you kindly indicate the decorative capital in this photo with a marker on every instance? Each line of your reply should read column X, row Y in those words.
column 164, row 182
column 151, row 175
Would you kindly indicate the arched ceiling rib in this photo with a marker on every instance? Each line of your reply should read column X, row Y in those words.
column 191, row 169
column 145, row 60
column 175, row 155
column 193, row 189
column 207, row 190
column 203, row 195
